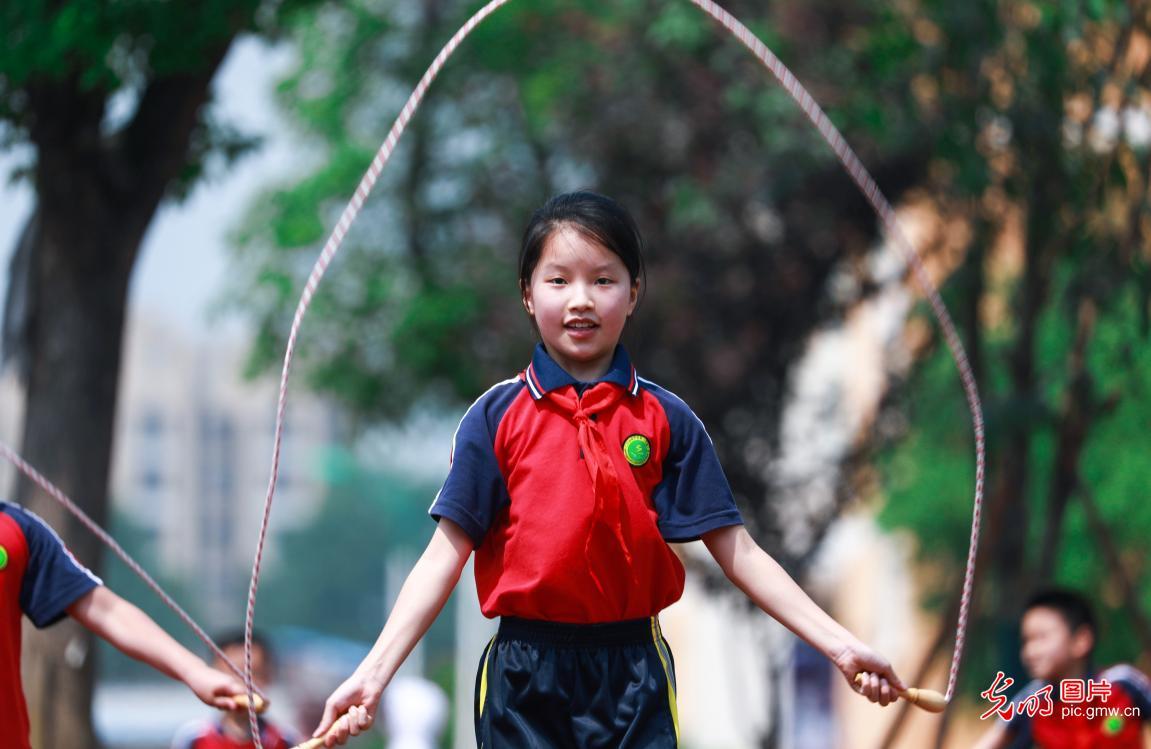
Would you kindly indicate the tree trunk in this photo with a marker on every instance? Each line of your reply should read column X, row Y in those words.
column 1128, row 587
column 1009, row 557
column 96, row 197
column 72, row 369
column 1074, row 426
column 1009, row 477
column 942, row 636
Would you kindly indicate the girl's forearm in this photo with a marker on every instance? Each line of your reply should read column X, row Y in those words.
column 420, row 601
column 769, row 586
column 133, row 633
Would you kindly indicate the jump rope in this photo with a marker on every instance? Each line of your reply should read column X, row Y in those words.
column 925, row 698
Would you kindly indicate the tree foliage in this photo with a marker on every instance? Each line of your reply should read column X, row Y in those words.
column 1039, row 114
column 96, row 62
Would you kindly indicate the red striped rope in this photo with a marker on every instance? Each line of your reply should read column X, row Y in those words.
column 367, row 182
column 847, row 157
column 870, row 189
column 829, row 133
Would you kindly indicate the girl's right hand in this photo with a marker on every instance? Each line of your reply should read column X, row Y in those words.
column 880, row 683
column 350, row 709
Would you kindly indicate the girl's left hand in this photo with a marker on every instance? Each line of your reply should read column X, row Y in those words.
column 880, row 682
column 214, row 687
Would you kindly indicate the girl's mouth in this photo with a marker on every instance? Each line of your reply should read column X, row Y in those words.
column 580, row 328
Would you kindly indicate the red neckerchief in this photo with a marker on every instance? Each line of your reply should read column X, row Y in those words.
column 608, row 512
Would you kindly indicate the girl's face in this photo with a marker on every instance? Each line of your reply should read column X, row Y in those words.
column 580, row 296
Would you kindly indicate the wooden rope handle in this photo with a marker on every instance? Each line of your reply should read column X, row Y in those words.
column 926, row 699
column 318, row 743
column 311, row 744
column 242, row 702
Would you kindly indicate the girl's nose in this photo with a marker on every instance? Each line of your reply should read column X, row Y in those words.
column 580, row 298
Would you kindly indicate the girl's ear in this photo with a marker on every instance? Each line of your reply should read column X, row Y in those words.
column 633, row 298
column 526, row 298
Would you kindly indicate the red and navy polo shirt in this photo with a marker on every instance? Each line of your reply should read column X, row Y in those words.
column 520, row 488
column 40, row 579
column 1115, row 720
column 210, row 734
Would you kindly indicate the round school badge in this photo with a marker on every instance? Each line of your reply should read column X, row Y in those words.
column 3, row 557
column 1113, row 725
column 637, row 450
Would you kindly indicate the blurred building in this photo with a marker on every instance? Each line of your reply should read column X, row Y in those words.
column 193, row 453
column 11, row 407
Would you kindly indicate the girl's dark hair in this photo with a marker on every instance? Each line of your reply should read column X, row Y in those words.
column 596, row 216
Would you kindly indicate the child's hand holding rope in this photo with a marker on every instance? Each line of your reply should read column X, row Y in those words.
column 879, row 682
column 348, row 712
column 871, row 675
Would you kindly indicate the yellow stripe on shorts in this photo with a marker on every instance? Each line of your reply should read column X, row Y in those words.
column 484, row 674
column 657, row 638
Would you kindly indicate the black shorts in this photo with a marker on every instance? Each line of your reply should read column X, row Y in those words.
column 543, row 685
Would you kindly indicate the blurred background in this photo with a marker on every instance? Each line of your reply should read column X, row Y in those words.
column 173, row 168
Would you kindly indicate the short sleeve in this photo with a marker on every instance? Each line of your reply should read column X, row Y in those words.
column 53, row 579
column 188, row 734
column 693, row 496
column 1132, row 681
column 475, row 491
column 1140, row 692
column 1019, row 724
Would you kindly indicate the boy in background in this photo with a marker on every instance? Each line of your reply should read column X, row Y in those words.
column 1059, row 633
column 231, row 730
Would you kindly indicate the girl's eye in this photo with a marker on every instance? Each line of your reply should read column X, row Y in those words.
column 604, row 281
column 557, row 281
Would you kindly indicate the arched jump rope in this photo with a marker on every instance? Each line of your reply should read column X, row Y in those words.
column 925, row 698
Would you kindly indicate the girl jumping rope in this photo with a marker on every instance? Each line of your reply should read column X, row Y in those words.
column 569, row 482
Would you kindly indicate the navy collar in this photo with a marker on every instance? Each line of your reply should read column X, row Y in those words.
column 544, row 375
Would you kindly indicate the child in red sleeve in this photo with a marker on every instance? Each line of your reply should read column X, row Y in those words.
column 1082, row 708
column 40, row 579
column 569, row 482
column 232, row 730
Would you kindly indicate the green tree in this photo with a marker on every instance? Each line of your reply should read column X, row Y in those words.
column 99, row 173
column 1053, row 297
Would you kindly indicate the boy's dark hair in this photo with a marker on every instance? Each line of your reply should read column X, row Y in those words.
column 596, row 216
column 1072, row 606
